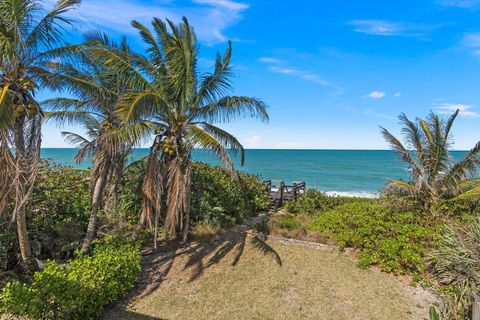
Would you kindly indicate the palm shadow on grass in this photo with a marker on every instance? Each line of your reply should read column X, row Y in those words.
column 200, row 255
column 131, row 315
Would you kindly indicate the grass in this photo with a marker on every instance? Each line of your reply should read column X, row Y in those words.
column 200, row 282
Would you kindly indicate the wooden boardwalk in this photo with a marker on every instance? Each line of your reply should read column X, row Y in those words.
column 280, row 192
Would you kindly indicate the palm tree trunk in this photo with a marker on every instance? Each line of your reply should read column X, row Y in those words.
column 20, row 182
column 23, row 241
column 188, row 195
column 178, row 202
column 96, row 203
column 7, row 163
column 152, row 194
column 118, row 176
column 111, row 203
column 139, row 226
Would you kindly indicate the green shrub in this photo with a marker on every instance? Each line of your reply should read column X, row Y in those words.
column 77, row 290
column 314, row 201
column 462, row 210
column 287, row 222
column 218, row 198
column 60, row 195
column 58, row 211
column 395, row 241
column 57, row 215
column 7, row 243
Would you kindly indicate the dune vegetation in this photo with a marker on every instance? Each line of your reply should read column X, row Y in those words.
column 425, row 226
column 76, row 241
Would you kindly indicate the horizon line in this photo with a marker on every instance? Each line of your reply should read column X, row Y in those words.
column 279, row 149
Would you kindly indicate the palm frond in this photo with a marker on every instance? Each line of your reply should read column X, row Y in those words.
column 201, row 138
column 48, row 32
column 412, row 132
column 228, row 108
column 216, row 84
column 153, row 49
column 398, row 147
column 464, row 169
column 61, row 104
column 228, row 140
column 73, row 117
column 86, row 148
column 473, row 193
column 141, row 105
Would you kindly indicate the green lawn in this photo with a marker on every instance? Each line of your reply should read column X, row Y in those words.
column 200, row 282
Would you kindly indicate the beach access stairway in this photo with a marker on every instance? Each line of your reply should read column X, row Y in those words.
column 280, row 192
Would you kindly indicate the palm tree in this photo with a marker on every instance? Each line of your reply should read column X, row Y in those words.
column 434, row 174
column 28, row 34
column 96, row 90
column 171, row 102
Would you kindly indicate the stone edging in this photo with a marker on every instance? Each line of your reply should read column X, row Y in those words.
column 306, row 244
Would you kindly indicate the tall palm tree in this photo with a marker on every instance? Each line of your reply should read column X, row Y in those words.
column 171, row 102
column 28, row 34
column 434, row 174
column 96, row 90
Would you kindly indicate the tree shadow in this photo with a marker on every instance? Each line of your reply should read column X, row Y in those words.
column 196, row 257
column 202, row 254
column 131, row 315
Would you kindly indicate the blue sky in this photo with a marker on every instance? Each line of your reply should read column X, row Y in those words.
column 331, row 71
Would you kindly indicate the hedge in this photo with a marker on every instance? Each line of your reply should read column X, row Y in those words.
column 79, row 289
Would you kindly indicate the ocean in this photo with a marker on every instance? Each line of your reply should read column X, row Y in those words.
column 341, row 172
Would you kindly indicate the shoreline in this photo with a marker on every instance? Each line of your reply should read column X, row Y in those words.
column 353, row 194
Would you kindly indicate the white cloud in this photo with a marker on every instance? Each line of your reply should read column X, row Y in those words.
column 269, row 60
column 397, row 94
column 253, row 142
column 377, row 27
column 302, row 74
column 466, row 4
column 281, row 67
column 227, row 4
column 471, row 39
column 449, row 108
column 389, row 28
column 376, row 94
column 210, row 18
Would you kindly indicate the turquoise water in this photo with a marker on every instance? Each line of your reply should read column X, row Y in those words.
column 353, row 172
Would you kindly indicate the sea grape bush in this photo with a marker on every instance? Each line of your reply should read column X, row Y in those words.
column 60, row 195
column 218, row 198
column 79, row 289
column 395, row 241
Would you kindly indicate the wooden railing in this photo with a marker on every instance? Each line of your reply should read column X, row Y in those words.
column 280, row 192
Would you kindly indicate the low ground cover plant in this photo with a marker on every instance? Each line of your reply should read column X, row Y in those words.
column 395, row 241
column 76, row 290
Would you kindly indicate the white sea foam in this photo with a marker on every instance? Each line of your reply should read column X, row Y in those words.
column 358, row 194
